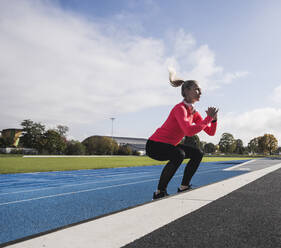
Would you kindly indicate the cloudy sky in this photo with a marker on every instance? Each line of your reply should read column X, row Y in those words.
column 81, row 62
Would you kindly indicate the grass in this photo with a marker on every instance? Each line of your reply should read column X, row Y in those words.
column 17, row 164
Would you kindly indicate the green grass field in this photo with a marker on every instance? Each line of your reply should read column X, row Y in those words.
column 18, row 164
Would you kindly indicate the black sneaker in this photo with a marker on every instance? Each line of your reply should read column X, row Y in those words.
column 160, row 195
column 188, row 188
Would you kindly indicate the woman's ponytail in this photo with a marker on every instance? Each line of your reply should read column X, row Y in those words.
column 174, row 81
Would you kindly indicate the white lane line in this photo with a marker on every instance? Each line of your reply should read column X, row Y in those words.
column 239, row 165
column 94, row 175
column 114, row 174
column 76, row 192
column 74, row 174
column 104, row 181
column 78, row 184
column 89, row 190
column 123, row 174
column 204, row 172
column 81, row 191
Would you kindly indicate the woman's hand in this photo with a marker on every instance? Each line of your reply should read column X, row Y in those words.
column 212, row 111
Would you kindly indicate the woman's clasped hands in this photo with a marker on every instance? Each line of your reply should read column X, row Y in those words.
column 212, row 112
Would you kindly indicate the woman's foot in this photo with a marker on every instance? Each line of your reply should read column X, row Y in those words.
column 184, row 188
column 159, row 194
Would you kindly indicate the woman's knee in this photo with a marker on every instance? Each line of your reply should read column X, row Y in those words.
column 178, row 157
column 194, row 153
column 199, row 154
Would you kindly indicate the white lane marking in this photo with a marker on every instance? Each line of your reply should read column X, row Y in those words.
column 89, row 190
column 104, row 181
column 81, row 191
column 78, row 184
column 239, row 165
column 76, row 192
column 203, row 172
column 74, row 174
column 122, row 174
column 69, row 175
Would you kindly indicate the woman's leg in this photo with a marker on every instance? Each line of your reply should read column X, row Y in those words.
column 162, row 151
column 195, row 156
column 177, row 156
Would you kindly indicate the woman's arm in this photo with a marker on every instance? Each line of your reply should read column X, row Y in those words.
column 210, row 130
column 188, row 128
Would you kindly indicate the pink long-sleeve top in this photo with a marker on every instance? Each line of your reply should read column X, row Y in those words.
column 182, row 121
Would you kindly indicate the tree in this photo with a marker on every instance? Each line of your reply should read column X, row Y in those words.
column 268, row 144
column 62, row 130
column 217, row 148
column 278, row 150
column 227, row 143
column 136, row 153
column 100, row 145
column 209, row 148
column 54, row 143
column 253, row 145
column 125, row 150
column 239, row 147
column 74, row 147
column 2, row 143
column 6, row 141
column 192, row 141
column 33, row 135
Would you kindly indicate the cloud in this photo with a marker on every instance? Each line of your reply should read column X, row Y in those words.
column 229, row 77
column 199, row 62
column 251, row 124
column 60, row 68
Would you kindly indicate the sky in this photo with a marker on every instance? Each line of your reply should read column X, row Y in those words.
column 81, row 62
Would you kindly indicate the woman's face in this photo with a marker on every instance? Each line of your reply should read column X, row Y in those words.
column 193, row 93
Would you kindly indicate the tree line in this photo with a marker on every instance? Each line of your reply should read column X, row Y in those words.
column 266, row 145
column 54, row 142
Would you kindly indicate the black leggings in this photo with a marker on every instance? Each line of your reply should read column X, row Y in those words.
column 175, row 155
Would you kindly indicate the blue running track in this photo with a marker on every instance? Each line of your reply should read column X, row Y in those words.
column 32, row 203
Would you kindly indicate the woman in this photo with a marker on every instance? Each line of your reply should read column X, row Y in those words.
column 182, row 121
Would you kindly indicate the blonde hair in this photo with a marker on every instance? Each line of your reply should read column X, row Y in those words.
column 176, row 82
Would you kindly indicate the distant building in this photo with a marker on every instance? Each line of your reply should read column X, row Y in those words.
column 137, row 144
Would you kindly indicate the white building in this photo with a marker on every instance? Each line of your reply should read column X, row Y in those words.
column 137, row 144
